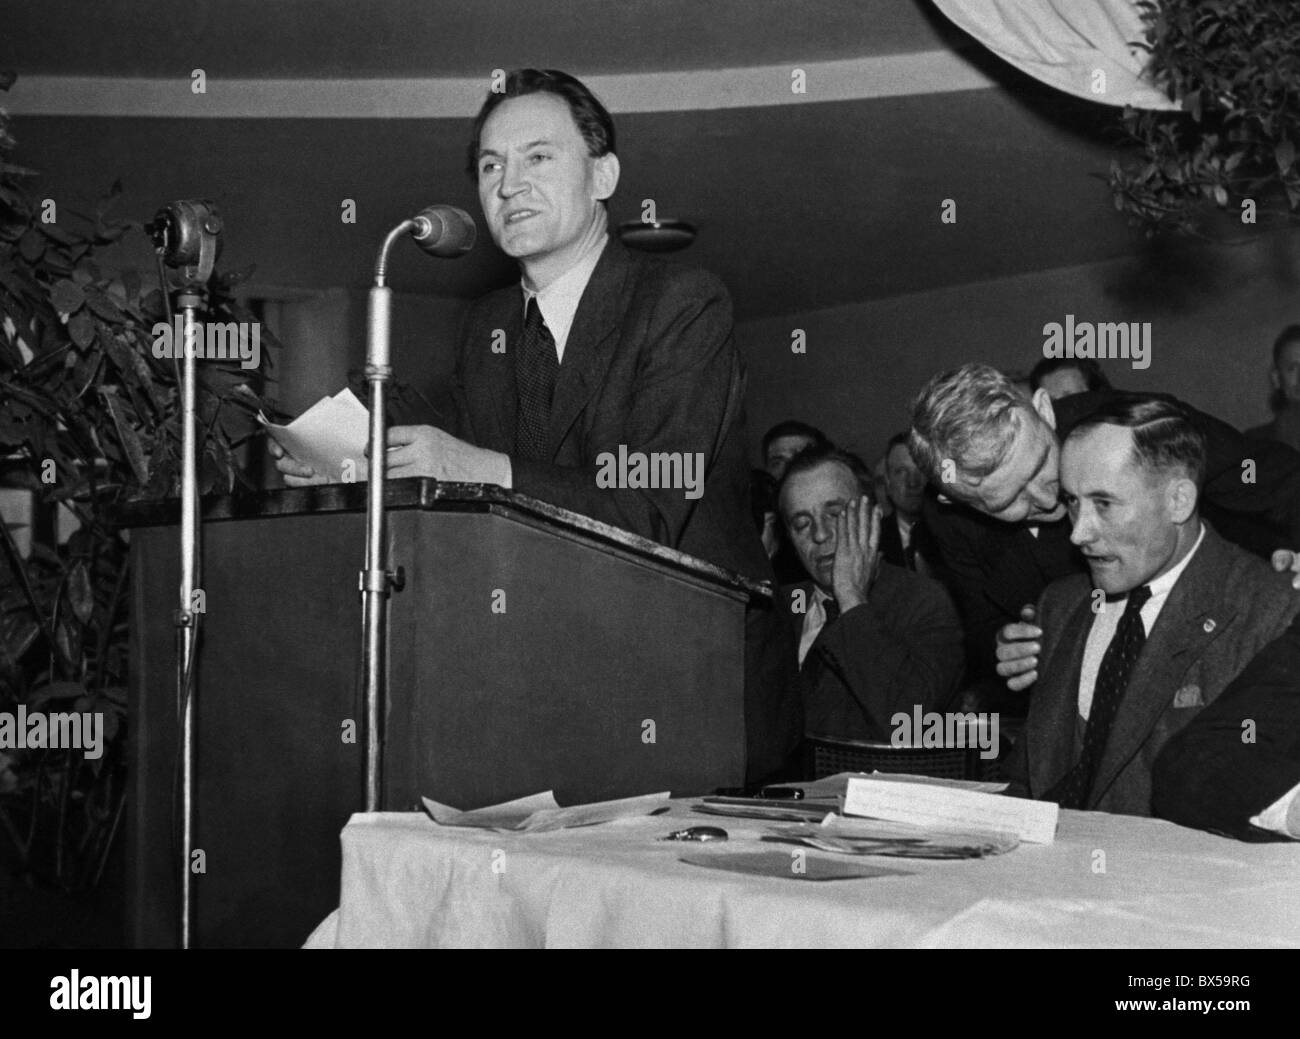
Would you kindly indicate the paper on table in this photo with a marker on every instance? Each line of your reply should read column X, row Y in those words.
column 600, row 812
column 836, row 785
column 949, row 809
column 876, row 837
column 540, row 813
column 786, row 866
column 331, row 433
column 507, row 816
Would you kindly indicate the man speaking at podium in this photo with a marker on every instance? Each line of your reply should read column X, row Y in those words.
column 606, row 353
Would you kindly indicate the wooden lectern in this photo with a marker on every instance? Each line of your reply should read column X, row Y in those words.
column 529, row 649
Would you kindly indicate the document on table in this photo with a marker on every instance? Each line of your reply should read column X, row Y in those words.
column 849, row 836
column 943, row 807
column 783, row 865
column 837, row 785
column 541, row 813
column 331, row 436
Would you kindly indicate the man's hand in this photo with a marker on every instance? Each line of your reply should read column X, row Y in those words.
column 429, row 451
column 1018, row 651
column 771, row 534
column 1283, row 560
column 857, row 553
column 295, row 473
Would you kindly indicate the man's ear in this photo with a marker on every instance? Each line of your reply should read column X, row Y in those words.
column 605, row 171
column 1182, row 498
column 1042, row 401
column 1275, row 379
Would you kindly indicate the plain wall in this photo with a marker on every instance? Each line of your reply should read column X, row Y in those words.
column 1214, row 313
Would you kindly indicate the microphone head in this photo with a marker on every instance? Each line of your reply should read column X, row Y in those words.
column 444, row 231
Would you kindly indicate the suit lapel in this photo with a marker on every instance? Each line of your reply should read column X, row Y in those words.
column 1176, row 642
column 597, row 317
column 1019, row 580
column 489, row 384
column 1055, row 705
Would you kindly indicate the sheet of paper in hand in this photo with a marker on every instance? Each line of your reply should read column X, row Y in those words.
column 330, row 436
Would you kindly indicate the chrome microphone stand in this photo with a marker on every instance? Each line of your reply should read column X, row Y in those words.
column 446, row 232
column 187, row 238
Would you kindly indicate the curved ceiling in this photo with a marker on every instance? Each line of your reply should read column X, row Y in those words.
column 800, row 205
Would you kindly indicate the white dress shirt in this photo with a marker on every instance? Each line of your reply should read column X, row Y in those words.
column 813, row 622
column 1106, row 620
column 559, row 301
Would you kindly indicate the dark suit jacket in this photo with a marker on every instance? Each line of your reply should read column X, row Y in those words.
column 1224, row 607
column 995, row 568
column 650, row 364
column 891, row 543
column 1209, row 776
column 900, row 648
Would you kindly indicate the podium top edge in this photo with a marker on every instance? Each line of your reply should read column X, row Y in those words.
column 431, row 495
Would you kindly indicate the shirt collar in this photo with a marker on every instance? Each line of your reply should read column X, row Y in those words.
column 559, row 301
column 1163, row 584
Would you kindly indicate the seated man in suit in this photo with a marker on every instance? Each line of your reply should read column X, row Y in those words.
column 874, row 639
column 1236, row 768
column 905, row 540
column 1170, row 614
column 998, row 521
column 785, row 440
column 780, row 444
column 607, row 354
column 1066, row 376
column 1285, row 374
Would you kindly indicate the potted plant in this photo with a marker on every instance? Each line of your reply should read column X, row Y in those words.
column 88, row 421
column 1234, row 67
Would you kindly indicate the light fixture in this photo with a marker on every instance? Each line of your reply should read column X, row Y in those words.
column 656, row 236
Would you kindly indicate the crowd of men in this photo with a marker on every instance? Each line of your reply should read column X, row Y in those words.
column 1096, row 561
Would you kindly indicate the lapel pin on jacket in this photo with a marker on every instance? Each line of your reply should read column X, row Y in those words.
column 1189, row 695
column 1209, row 625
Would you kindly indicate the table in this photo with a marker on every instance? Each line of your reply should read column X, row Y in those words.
column 1108, row 881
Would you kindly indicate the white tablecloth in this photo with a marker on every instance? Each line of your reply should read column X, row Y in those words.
column 1107, row 881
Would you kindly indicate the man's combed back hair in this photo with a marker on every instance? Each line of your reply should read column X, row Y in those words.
column 1094, row 378
column 1165, row 439
column 817, row 454
column 793, row 428
column 903, row 438
column 595, row 124
column 969, row 414
column 1288, row 335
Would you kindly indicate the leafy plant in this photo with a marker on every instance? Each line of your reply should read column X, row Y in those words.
column 89, row 419
column 1234, row 67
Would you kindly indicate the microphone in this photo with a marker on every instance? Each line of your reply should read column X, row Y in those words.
column 444, row 231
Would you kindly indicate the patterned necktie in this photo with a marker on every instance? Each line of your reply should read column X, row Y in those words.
column 536, row 366
column 1112, row 681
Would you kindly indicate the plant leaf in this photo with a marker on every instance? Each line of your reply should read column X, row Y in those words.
column 81, row 328
column 126, row 435
column 67, row 296
column 56, row 691
column 80, row 593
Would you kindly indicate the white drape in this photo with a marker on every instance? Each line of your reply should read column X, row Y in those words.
column 1084, row 47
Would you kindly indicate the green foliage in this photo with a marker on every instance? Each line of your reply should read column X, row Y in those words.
column 1234, row 67
column 89, row 419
